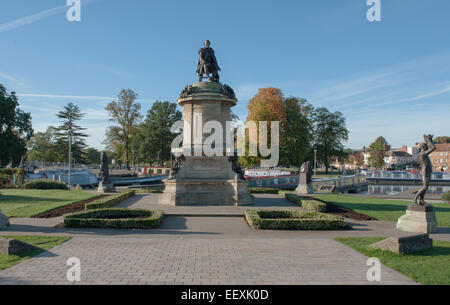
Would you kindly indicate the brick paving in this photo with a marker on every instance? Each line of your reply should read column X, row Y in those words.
column 202, row 250
column 123, row 261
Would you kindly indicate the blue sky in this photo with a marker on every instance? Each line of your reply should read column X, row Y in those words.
column 389, row 78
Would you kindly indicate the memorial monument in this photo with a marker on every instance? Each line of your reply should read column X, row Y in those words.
column 4, row 221
column 105, row 184
column 305, row 179
column 197, row 178
column 420, row 217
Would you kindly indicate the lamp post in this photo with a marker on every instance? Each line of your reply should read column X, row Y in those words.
column 315, row 162
column 70, row 158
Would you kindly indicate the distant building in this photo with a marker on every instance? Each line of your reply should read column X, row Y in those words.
column 265, row 173
column 412, row 150
column 440, row 157
column 155, row 171
column 398, row 157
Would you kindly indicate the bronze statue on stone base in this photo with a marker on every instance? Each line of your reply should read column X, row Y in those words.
column 207, row 64
column 426, row 168
column 105, row 184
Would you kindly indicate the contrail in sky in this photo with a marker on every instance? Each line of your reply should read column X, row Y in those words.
column 36, row 17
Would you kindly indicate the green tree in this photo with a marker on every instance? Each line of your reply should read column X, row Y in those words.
column 297, row 132
column 69, row 117
column 330, row 131
column 92, row 155
column 15, row 128
column 115, row 144
column 442, row 140
column 125, row 112
column 377, row 153
column 154, row 138
column 41, row 147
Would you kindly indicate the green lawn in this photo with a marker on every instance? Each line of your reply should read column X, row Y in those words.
column 44, row 243
column 27, row 203
column 383, row 209
column 430, row 267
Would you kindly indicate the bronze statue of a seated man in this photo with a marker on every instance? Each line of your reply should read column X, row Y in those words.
column 207, row 64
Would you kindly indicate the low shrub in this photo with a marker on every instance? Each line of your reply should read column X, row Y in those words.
column 283, row 193
column 110, row 201
column 44, row 185
column 149, row 190
column 5, row 180
column 8, row 171
column 293, row 220
column 293, row 198
column 314, row 206
column 446, row 197
column 306, row 203
column 261, row 190
column 115, row 218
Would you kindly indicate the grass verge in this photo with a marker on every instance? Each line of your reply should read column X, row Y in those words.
column 383, row 209
column 28, row 203
column 430, row 267
column 44, row 243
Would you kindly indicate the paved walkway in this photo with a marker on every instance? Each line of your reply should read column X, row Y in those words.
column 200, row 261
column 202, row 250
column 261, row 201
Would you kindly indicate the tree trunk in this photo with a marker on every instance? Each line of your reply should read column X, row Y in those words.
column 126, row 151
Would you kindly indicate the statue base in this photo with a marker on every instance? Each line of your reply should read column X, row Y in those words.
column 303, row 189
column 106, row 188
column 418, row 219
column 4, row 221
column 206, row 181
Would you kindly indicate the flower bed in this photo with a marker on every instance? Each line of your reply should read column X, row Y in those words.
column 115, row 218
column 293, row 220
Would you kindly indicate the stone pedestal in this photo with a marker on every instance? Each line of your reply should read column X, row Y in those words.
column 13, row 246
column 4, row 221
column 203, row 178
column 405, row 245
column 418, row 219
column 106, row 188
column 304, row 189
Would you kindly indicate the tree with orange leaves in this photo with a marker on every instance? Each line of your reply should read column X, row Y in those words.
column 267, row 105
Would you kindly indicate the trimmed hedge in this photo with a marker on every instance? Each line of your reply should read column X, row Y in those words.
column 5, row 180
column 307, row 204
column 261, row 190
column 44, row 185
column 293, row 220
column 283, row 193
column 446, row 196
column 293, row 198
column 157, row 190
column 314, row 206
column 115, row 218
column 110, row 201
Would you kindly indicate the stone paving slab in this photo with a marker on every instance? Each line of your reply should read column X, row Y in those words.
column 261, row 201
column 200, row 261
column 212, row 227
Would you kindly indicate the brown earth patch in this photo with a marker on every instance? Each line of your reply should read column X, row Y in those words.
column 67, row 209
column 343, row 212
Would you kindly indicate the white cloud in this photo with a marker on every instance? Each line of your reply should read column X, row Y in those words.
column 74, row 97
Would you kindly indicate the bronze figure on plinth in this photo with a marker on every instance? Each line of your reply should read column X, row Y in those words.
column 426, row 168
column 207, row 64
